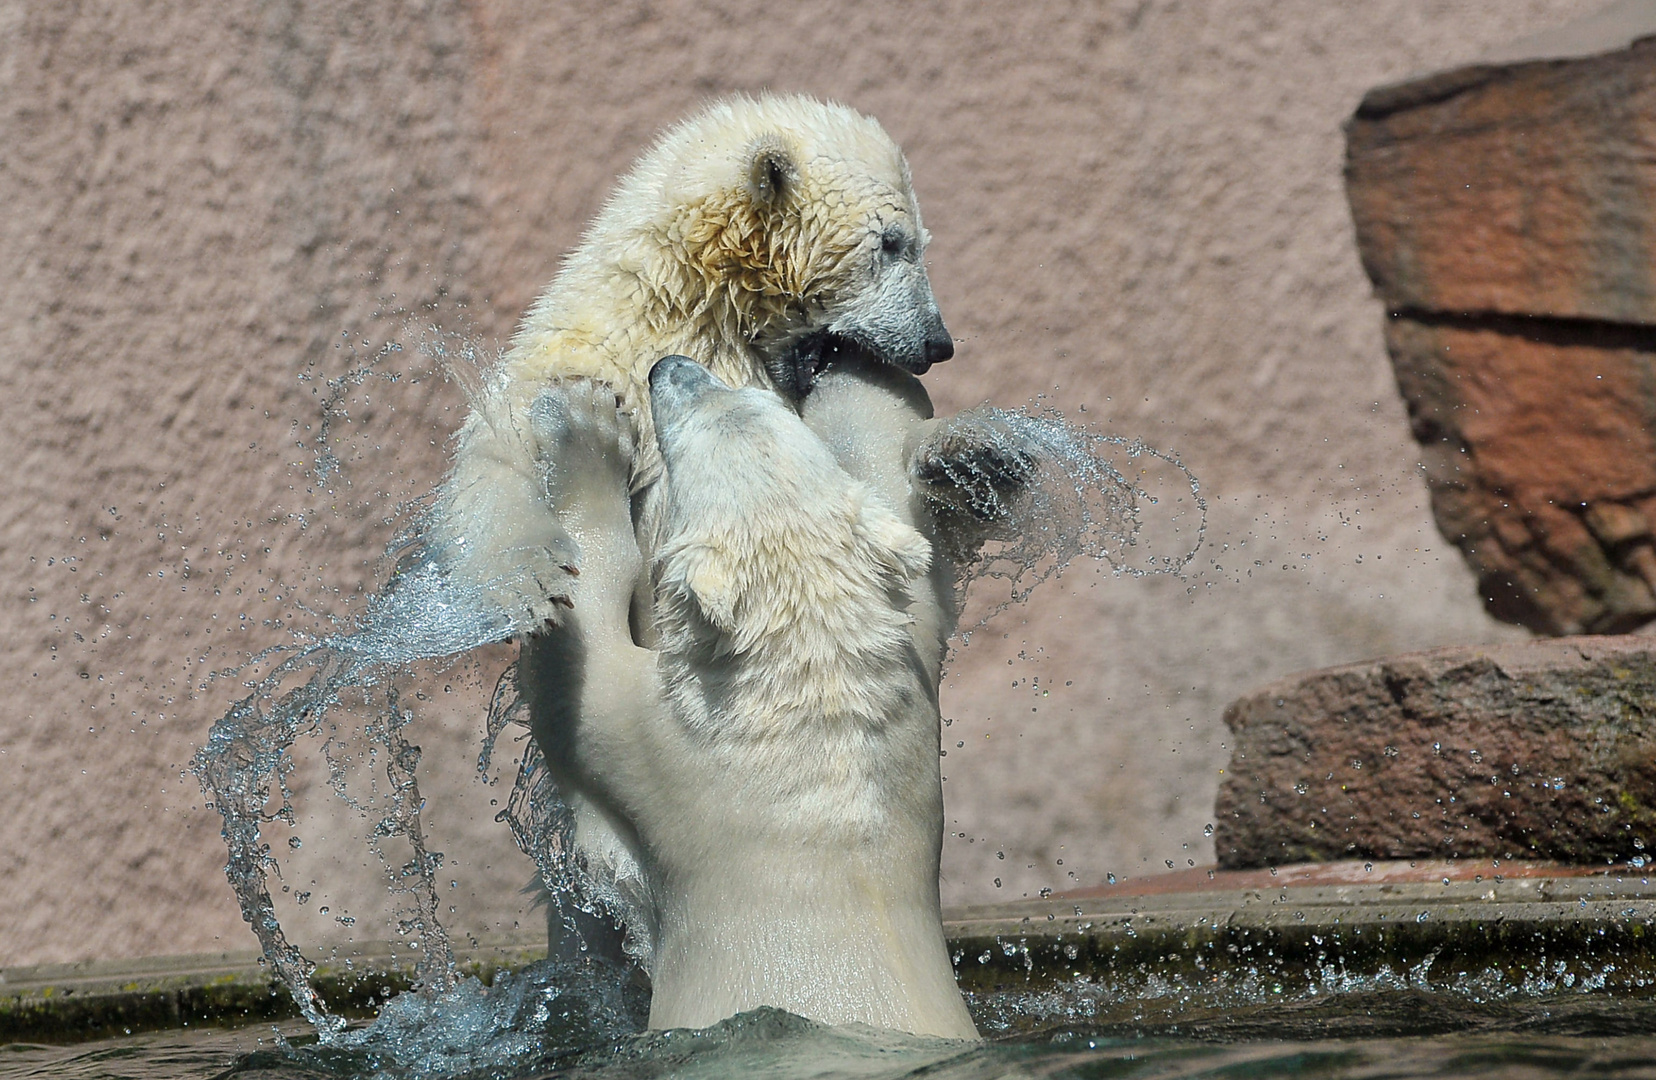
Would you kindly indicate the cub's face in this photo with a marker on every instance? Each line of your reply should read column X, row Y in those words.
column 801, row 216
column 880, row 303
column 877, row 301
column 764, row 531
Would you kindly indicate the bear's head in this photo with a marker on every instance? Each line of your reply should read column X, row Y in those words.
column 788, row 228
column 768, row 545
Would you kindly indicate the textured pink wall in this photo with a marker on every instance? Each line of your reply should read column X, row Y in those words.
column 1138, row 203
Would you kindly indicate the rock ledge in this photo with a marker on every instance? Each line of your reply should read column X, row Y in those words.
column 1537, row 750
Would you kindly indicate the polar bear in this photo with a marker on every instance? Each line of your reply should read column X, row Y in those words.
column 764, row 236
column 773, row 764
column 961, row 481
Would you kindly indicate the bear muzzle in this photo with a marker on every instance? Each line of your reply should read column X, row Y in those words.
column 939, row 346
column 675, row 379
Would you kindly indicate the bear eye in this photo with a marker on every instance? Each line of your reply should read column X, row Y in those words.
column 893, row 241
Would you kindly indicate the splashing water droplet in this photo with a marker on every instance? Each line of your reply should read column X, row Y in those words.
column 1085, row 494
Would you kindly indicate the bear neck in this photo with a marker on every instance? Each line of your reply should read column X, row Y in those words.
column 834, row 949
column 810, row 654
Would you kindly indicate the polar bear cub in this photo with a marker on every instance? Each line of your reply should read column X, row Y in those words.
column 773, row 766
column 764, row 236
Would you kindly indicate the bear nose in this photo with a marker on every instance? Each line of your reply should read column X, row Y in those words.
column 677, row 372
column 939, row 346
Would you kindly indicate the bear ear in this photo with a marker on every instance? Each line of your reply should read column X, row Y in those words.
column 771, row 171
column 709, row 583
column 899, row 550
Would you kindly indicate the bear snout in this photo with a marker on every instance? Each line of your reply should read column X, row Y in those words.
column 939, row 345
column 679, row 376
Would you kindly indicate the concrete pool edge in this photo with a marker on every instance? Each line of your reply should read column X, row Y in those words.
column 100, row 998
column 1520, row 921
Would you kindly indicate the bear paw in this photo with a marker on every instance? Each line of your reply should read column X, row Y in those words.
column 586, row 446
column 586, row 451
column 974, row 469
column 528, row 575
column 545, row 586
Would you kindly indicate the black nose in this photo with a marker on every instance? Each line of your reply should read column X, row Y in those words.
column 939, row 346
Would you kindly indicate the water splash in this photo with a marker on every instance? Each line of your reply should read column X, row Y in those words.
column 547, row 1013
column 543, row 826
column 1220, row 995
column 1058, row 492
column 1085, row 495
column 244, row 766
column 421, row 614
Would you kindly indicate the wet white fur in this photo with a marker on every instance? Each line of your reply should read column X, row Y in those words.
column 744, row 228
column 774, row 767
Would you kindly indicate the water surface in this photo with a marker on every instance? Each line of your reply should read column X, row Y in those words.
column 1390, row 1034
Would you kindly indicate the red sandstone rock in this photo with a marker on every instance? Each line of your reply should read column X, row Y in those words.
column 1525, row 190
column 1535, row 750
column 1541, row 458
column 1507, row 216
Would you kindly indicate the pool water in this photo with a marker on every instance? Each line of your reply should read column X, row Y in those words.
column 1386, row 1034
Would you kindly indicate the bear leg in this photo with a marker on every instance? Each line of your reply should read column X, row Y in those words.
column 591, row 692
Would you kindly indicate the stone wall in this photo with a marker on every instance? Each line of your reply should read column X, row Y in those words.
column 211, row 210
column 1504, row 214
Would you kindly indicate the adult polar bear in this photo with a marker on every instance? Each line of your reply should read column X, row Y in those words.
column 760, row 237
column 766, row 237
column 776, row 760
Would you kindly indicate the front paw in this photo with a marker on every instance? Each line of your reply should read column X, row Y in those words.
column 974, row 467
column 586, row 440
column 588, row 451
column 532, row 584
